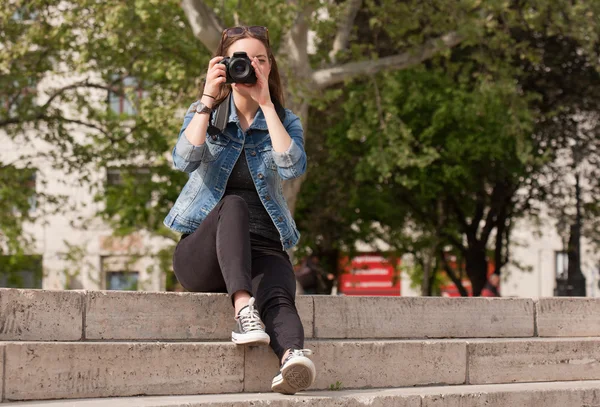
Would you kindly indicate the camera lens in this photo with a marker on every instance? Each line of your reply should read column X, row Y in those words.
column 239, row 69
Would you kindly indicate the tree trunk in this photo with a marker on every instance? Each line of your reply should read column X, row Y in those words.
column 428, row 264
column 575, row 277
column 476, row 267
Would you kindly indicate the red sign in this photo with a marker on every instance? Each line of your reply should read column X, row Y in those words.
column 369, row 274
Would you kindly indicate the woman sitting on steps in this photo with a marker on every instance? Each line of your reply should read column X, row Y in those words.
column 237, row 143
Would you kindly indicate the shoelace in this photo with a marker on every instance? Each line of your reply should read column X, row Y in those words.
column 298, row 352
column 250, row 319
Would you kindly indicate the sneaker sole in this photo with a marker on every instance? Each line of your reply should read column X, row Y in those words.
column 252, row 338
column 294, row 378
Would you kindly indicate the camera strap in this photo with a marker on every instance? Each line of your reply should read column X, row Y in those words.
column 220, row 116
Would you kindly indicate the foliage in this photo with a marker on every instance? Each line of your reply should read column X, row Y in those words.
column 337, row 386
column 429, row 158
column 416, row 275
column 61, row 62
column 471, row 141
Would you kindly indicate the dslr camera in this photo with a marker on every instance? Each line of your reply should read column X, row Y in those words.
column 239, row 68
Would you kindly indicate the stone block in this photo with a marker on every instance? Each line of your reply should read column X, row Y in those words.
column 36, row 371
column 518, row 395
column 40, row 315
column 569, row 317
column 533, row 360
column 304, row 305
column 398, row 317
column 367, row 364
column 114, row 315
column 1, row 372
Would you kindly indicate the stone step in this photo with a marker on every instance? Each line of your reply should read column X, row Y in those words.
column 55, row 370
column 558, row 394
column 39, row 315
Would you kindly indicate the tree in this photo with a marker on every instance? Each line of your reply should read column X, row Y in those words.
column 64, row 62
column 57, row 79
column 481, row 155
column 435, row 161
column 567, row 81
column 419, row 32
column 86, row 86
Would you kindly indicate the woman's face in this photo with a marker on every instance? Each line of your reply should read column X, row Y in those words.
column 254, row 48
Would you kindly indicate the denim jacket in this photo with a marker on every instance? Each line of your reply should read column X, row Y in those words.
column 210, row 165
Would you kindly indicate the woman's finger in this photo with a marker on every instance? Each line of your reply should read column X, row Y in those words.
column 257, row 66
column 215, row 74
column 214, row 61
column 217, row 70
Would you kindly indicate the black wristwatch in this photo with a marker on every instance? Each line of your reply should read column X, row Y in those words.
column 202, row 108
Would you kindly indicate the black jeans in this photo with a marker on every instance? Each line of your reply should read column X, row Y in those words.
column 222, row 256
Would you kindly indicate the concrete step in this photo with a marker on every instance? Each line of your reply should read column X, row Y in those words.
column 38, row 315
column 53, row 370
column 559, row 394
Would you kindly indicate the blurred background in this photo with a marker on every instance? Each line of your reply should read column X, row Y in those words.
column 453, row 145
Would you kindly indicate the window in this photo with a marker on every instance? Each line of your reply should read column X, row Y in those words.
column 122, row 280
column 115, row 175
column 23, row 182
column 120, row 101
column 120, row 272
column 20, row 96
column 30, row 185
column 561, row 264
column 21, row 271
column 24, row 14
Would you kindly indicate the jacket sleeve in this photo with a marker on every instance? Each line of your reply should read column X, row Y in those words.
column 292, row 163
column 186, row 156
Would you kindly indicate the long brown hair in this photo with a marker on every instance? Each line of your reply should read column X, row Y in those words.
column 275, row 87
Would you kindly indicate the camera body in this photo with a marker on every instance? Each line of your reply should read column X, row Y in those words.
column 239, row 68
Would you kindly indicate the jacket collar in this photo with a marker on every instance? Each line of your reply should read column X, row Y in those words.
column 259, row 122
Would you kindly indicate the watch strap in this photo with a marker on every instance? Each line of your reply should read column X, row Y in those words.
column 202, row 108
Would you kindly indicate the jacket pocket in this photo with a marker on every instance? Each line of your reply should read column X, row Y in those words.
column 266, row 154
column 215, row 145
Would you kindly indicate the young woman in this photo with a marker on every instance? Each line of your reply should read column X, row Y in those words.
column 238, row 143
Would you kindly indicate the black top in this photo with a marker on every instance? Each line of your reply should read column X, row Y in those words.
column 240, row 183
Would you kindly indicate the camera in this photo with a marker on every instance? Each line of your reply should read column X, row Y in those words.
column 239, row 68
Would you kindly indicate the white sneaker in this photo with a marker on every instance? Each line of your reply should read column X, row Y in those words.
column 296, row 374
column 249, row 329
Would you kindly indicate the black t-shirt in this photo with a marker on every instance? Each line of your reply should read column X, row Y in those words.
column 240, row 183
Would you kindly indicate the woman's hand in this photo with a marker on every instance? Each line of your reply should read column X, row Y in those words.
column 215, row 77
column 258, row 91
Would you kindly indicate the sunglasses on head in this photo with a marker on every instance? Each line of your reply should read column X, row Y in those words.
column 256, row 30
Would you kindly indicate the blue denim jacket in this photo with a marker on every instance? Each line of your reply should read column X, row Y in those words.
column 210, row 165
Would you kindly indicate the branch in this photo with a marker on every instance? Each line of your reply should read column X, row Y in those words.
column 500, row 199
column 82, row 84
column 342, row 37
column 479, row 207
column 295, row 42
column 81, row 123
column 453, row 276
column 462, row 218
column 324, row 78
column 12, row 163
column 204, row 22
column 41, row 110
column 500, row 233
column 442, row 233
